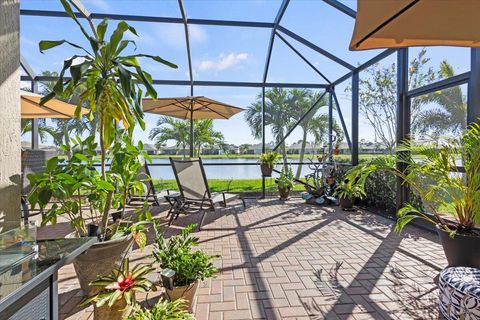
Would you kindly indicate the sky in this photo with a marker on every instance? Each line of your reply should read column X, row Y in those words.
column 224, row 53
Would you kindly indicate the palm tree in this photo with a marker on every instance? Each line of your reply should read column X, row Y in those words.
column 277, row 116
column 43, row 129
column 450, row 114
column 302, row 100
column 205, row 136
column 179, row 131
column 171, row 129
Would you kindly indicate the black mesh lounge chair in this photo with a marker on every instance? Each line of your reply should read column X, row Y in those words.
column 193, row 186
column 151, row 194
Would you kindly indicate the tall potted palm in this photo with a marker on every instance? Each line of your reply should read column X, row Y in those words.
column 109, row 83
column 451, row 195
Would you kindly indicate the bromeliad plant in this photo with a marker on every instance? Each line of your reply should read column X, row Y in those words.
column 122, row 284
column 269, row 158
column 107, row 80
column 432, row 172
column 177, row 253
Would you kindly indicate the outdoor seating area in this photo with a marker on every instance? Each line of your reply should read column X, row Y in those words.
column 234, row 159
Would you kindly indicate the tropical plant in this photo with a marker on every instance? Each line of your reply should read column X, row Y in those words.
column 432, row 173
column 127, row 159
column 163, row 310
column 122, row 284
column 269, row 158
column 73, row 183
column 206, row 136
column 44, row 130
column 169, row 128
column 349, row 190
column 285, row 180
column 176, row 253
column 111, row 83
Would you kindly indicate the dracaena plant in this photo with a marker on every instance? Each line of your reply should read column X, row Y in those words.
column 122, row 283
column 432, row 172
column 107, row 80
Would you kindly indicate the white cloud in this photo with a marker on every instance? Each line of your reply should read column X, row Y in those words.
column 197, row 34
column 222, row 62
column 174, row 35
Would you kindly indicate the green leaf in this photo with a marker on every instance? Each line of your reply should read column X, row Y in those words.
column 105, row 185
column 52, row 163
column 155, row 58
column 44, row 196
column 81, row 157
column 49, row 44
column 102, row 28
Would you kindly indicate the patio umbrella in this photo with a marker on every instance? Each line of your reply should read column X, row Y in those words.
column 191, row 107
column 406, row 23
column 31, row 108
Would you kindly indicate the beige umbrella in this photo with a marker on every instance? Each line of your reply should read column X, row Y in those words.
column 31, row 108
column 192, row 108
column 406, row 23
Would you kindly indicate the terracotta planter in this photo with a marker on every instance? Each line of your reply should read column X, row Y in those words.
column 336, row 151
column 346, row 203
column 266, row 169
column 115, row 312
column 185, row 292
column 284, row 193
column 100, row 259
column 461, row 250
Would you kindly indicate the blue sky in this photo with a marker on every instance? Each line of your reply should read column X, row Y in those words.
column 224, row 53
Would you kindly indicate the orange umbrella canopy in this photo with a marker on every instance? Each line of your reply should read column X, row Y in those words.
column 190, row 107
column 31, row 108
column 407, row 23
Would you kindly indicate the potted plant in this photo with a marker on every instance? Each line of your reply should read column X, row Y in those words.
column 347, row 192
column 110, row 83
column 285, row 182
column 336, row 149
column 162, row 310
column 451, row 196
column 267, row 161
column 80, row 194
column 182, row 266
column 116, row 292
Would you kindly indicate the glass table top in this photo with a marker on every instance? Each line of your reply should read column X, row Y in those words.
column 20, row 265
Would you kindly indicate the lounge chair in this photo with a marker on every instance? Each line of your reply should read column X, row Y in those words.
column 193, row 186
column 151, row 194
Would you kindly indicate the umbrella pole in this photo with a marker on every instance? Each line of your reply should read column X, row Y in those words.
column 191, row 133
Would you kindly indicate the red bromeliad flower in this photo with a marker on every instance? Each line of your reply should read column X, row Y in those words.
column 124, row 283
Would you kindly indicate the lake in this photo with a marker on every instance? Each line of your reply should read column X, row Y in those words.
column 219, row 171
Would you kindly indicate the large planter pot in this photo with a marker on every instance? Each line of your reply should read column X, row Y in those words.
column 461, row 250
column 115, row 312
column 284, row 193
column 266, row 169
column 345, row 203
column 100, row 259
column 185, row 292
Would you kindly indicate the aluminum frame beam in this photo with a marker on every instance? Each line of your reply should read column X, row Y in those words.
column 341, row 7
column 278, row 18
column 210, row 83
column 366, row 64
column 303, row 57
column 187, row 42
column 212, row 22
column 473, row 105
column 355, row 116
column 27, row 68
column 439, row 85
column 316, row 48
column 342, row 121
column 403, row 119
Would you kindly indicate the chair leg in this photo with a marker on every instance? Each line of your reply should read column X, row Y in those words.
column 243, row 201
column 202, row 220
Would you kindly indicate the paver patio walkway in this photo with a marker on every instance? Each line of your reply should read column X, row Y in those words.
column 289, row 260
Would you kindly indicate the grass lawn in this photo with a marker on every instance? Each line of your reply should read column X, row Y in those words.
column 219, row 185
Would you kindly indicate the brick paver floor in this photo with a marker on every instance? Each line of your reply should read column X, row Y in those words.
column 289, row 260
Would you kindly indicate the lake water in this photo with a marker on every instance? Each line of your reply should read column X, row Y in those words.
column 219, row 171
